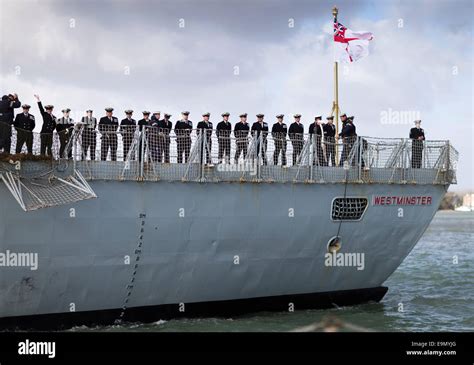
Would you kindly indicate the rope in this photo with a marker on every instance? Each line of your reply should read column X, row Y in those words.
column 138, row 252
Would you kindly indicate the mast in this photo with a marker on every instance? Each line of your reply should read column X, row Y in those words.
column 335, row 106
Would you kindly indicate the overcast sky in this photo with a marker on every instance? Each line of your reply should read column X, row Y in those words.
column 244, row 56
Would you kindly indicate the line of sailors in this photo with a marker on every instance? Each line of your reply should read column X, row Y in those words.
column 159, row 137
column 323, row 134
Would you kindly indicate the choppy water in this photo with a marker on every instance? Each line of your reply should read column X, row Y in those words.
column 436, row 294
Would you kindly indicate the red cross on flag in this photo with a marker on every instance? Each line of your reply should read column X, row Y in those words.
column 350, row 46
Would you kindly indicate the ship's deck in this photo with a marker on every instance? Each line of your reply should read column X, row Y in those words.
column 307, row 158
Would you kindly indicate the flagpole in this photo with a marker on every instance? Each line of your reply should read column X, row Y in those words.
column 336, row 90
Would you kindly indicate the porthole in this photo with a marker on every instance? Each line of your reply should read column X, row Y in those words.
column 334, row 244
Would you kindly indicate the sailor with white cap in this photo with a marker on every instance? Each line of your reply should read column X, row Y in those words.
column 417, row 135
column 279, row 132
column 261, row 127
column 316, row 134
column 143, row 125
column 329, row 130
column 223, row 131
column 183, row 129
column 241, row 133
column 348, row 135
column 108, row 127
column 164, row 129
column 49, row 125
column 128, row 126
column 205, row 126
column 64, row 127
column 89, row 134
column 296, row 134
column 24, row 124
column 153, row 137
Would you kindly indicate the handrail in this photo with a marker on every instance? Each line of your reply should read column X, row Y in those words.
column 152, row 154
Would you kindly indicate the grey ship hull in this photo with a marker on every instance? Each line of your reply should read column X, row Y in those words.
column 181, row 263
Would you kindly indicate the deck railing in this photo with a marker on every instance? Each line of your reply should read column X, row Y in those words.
column 153, row 154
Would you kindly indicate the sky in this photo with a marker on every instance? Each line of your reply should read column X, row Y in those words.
column 254, row 56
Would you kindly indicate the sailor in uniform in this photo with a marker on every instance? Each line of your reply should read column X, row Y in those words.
column 279, row 132
column 330, row 141
column 223, row 131
column 241, row 133
column 343, row 118
column 296, row 134
column 145, row 122
column 143, row 125
column 64, row 127
column 348, row 135
column 49, row 125
column 155, row 118
column 153, row 141
column 183, row 129
column 128, row 127
column 164, row 130
column 24, row 124
column 89, row 137
column 316, row 133
column 417, row 135
column 205, row 126
column 108, row 128
column 7, row 105
column 261, row 127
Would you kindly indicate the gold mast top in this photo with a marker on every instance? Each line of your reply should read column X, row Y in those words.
column 334, row 12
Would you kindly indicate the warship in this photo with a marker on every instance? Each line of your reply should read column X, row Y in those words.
column 87, row 241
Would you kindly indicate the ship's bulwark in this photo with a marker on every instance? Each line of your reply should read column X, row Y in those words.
column 156, row 243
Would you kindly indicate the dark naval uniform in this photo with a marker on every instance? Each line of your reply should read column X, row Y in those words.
column 153, row 138
column 108, row 128
column 296, row 134
column 143, row 125
column 128, row 126
column 64, row 127
column 207, row 147
column 316, row 134
column 7, row 114
column 348, row 135
column 329, row 137
column 241, row 133
column 279, row 131
column 257, row 129
column 223, row 131
column 183, row 129
column 418, row 136
column 164, row 140
column 89, row 136
column 24, row 124
column 152, row 135
column 49, row 125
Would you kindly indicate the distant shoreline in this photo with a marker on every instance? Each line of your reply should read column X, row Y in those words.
column 454, row 211
column 452, row 200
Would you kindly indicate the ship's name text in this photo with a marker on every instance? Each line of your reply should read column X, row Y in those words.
column 401, row 200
